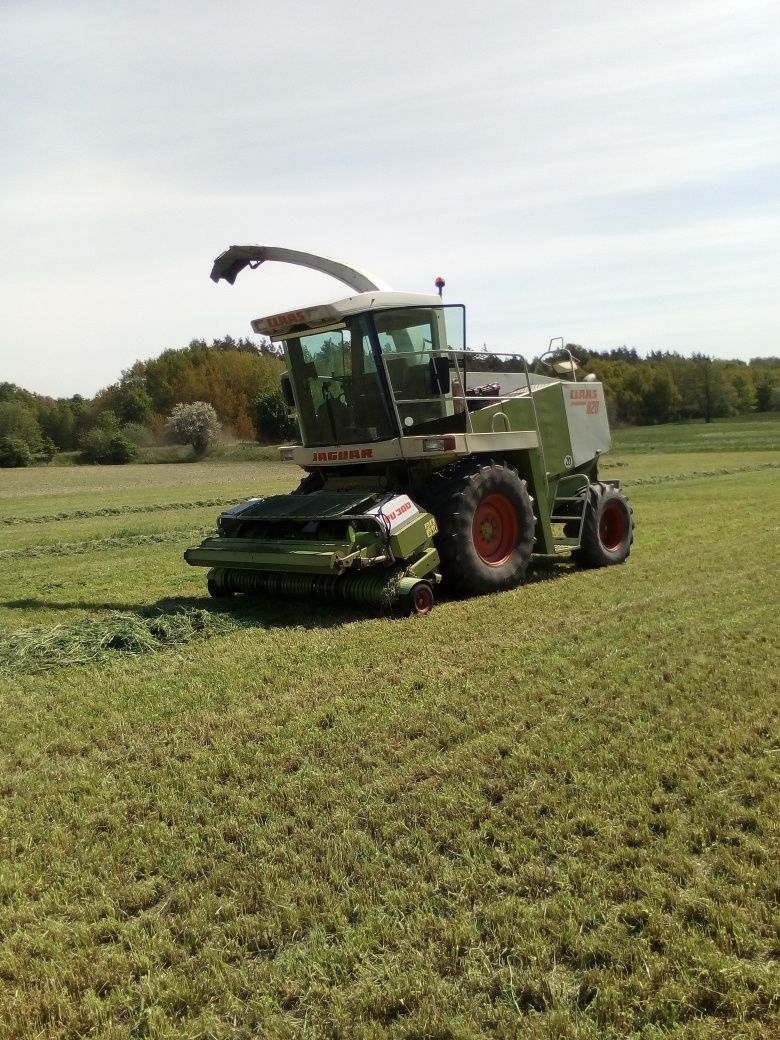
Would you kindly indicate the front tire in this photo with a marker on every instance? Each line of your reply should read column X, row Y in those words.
column 486, row 528
column 310, row 483
column 608, row 528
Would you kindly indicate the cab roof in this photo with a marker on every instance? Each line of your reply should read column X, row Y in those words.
column 328, row 315
column 371, row 293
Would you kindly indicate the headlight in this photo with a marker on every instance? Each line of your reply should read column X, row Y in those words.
column 286, row 454
column 445, row 443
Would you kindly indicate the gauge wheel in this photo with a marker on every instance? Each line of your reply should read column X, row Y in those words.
column 420, row 599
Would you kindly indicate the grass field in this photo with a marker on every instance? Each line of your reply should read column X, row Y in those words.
column 547, row 813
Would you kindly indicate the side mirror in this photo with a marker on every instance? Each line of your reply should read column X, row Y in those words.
column 439, row 371
column 287, row 393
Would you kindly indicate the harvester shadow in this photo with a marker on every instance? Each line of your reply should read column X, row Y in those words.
column 263, row 613
column 548, row 568
column 276, row 613
column 247, row 611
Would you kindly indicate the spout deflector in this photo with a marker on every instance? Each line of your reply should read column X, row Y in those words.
column 232, row 262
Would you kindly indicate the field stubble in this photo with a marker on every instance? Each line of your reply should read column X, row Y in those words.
column 549, row 813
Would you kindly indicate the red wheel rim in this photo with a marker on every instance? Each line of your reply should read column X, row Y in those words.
column 495, row 529
column 613, row 526
column 422, row 599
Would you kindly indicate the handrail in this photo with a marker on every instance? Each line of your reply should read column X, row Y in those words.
column 463, row 397
column 574, row 362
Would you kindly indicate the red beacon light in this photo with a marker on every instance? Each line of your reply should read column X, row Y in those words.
column 440, row 283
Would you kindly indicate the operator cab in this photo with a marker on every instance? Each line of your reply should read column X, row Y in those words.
column 372, row 367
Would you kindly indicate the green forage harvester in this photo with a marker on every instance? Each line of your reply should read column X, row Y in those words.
column 422, row 467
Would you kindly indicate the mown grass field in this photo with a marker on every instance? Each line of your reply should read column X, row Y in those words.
column 547, row 813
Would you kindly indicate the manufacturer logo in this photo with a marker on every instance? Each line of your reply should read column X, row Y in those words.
column 277, row 321
column 587, row 398
column 345, row 455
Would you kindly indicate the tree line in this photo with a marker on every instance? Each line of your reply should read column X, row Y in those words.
column 239, row 379
column 668, row 387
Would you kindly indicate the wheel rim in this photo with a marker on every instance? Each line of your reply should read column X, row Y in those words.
column 613, row 526
column 422, row 598
column 495, row 529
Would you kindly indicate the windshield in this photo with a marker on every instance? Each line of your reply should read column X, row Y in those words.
column 338, row 393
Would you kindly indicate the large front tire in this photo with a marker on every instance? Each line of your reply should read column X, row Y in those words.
column 607, row 529
column 486, row 528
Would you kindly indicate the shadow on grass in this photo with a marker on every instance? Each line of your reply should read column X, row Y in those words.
column 250, row 611
column 247, row 612
column 549, row 568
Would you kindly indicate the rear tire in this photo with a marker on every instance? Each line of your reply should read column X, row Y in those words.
column 608, row 528
column 486, row 528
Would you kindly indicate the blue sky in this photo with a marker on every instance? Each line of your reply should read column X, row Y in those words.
column 609, row 172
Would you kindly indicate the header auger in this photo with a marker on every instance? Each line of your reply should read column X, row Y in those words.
column 421, row 467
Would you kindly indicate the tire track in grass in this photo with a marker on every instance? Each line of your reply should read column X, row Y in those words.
column 673, row 478
column 208, row 503
column 100, row 544
column 91, row 514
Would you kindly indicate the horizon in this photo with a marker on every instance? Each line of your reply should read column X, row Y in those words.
column 643, row 357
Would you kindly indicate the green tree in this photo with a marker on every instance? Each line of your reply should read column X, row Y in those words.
column 108, row 420
column 660, row 397
column 58, row 424
column 18, row 421
column 48, row 449
column 134, row 405
column 107, row 448
column 272, row 421
column 743, row 389
column 765, row 386
column 708, row 389
column 14, row 452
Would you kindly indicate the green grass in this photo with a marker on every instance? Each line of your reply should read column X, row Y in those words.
column 241, row 451
column 754, row 433
column 547, row 813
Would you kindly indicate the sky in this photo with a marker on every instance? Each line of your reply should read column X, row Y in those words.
column 604, row 171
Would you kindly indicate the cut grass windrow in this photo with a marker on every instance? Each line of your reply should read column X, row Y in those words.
column 98, row 544
column 699, row 474
column 93, row 641
column 91, row 514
